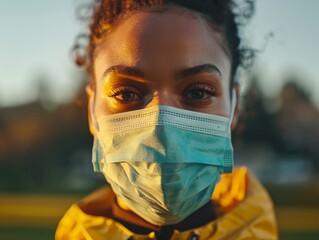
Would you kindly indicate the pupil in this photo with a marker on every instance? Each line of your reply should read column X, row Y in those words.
column 127, row 96
column 197, row 94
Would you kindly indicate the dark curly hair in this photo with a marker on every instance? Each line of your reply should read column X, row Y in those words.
column 226, row 15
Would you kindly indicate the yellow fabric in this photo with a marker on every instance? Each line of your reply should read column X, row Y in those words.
column 231, row 189
column 247, row 214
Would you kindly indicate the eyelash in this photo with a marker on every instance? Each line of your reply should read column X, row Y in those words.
column 204, row 94
column 206, row 89
column 121, row 90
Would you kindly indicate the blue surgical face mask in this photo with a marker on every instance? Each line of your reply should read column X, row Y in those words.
column 163, row 162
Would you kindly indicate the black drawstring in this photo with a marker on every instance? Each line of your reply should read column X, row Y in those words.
column 164, row 233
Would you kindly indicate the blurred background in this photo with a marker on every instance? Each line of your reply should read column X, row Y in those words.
column 45, row 145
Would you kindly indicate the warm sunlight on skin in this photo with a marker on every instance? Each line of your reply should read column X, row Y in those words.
column 162, row 59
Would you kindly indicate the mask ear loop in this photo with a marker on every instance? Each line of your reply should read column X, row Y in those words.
column 228, row 157
column 97, row 155
column 233, row 107
column 92, row 113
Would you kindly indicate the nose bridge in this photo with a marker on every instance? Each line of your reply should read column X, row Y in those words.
column 163, row 97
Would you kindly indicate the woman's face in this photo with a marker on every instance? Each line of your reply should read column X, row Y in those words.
column 173, row 58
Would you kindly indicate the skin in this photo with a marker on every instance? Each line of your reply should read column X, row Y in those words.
column 174, row 58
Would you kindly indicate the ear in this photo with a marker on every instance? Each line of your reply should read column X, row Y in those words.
column 90, row 96
column 236, row 110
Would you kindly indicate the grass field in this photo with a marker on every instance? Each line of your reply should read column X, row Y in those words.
column 27, row 233
column 43, row 233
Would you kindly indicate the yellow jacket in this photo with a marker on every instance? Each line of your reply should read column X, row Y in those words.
column 246, row 212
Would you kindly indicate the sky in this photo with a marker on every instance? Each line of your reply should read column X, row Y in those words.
column 293, row 49
column 36, row 37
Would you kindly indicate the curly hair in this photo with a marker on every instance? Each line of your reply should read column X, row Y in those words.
column 226, row 15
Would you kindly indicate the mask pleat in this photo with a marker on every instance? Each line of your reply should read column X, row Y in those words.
column 163, row 162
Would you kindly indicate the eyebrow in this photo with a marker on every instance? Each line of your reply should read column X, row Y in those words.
column 125, row 70
column 203, row 68
column 187, row 72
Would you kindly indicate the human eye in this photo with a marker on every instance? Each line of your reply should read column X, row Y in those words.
column 199, row 93
column 125, row 94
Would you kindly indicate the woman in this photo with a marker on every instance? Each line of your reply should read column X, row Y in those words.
column 162, row 104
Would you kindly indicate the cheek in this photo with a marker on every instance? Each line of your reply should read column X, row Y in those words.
column 104, row 106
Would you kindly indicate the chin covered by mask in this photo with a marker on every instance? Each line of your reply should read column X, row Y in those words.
column 163, row 162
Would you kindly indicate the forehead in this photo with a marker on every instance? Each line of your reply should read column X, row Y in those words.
column 176, row 38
